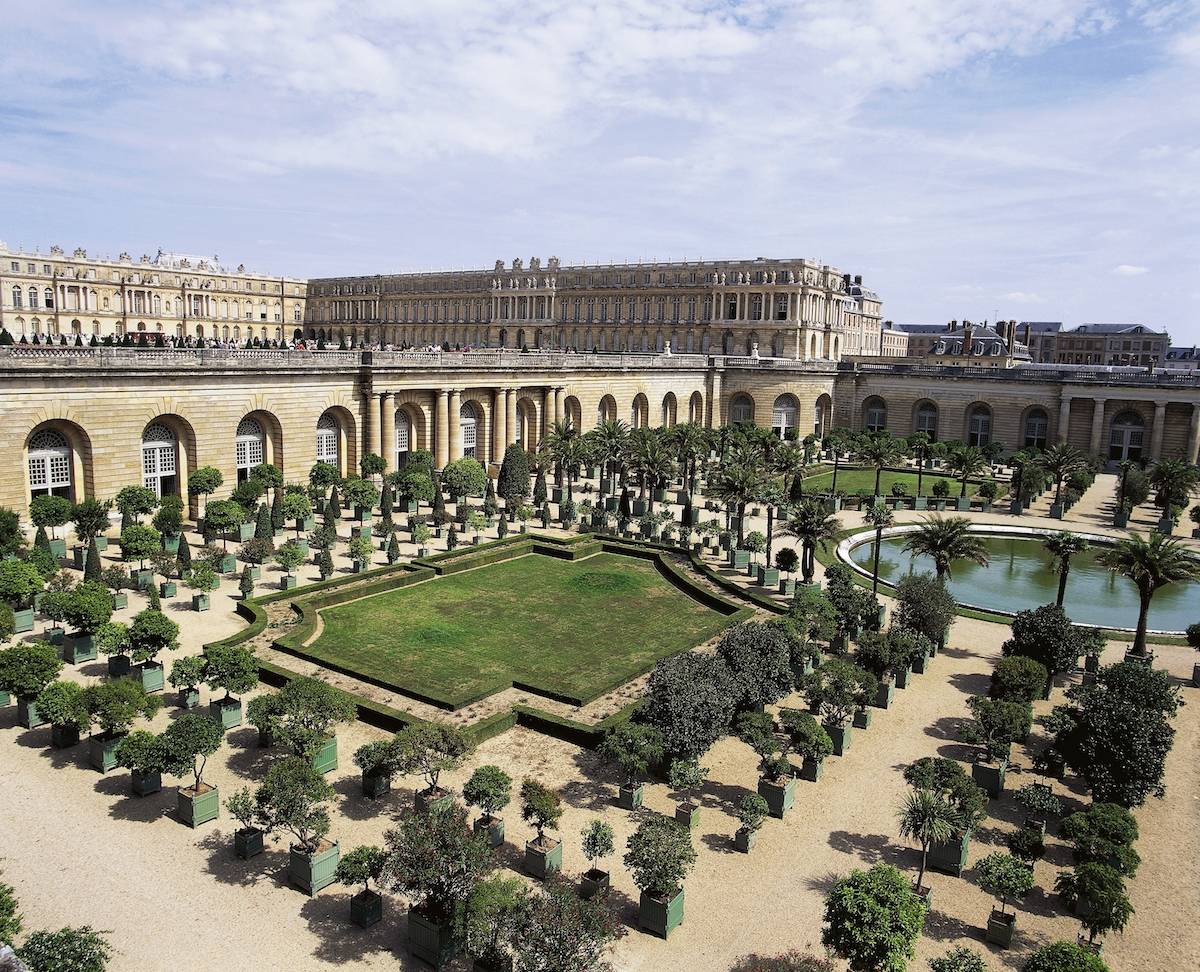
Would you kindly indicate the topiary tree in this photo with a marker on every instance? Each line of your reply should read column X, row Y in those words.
column 996, row 724
column 187, row 674
column 372, row 464
column 50, row 511
column 168, row 521
column 307, row 709
column 923, row 604
column 19, row 582
column 81, row 949
column 230, row 667
column 1103, row 833
column 361, row 549
column 205, row 481
column 1096, row 892
column 362, row 494
column 223, row 517
column 134, row 502
column 290, row 556
column 633, row 747
column 946, row 778
column 690, row 699
column 489, row 789
column 560, row 930
column 113, row 706
column 513, row 482
column 1116, row 732
column 430, row 748
column 873, row 919
column 1046, row 635
column 188, row 742
column 1064, row 957
column 752, row 811
column 1019, row 679
column 27, row 667
column 152, row 632
column 61, row 703
column 959, row 959
column 90, row 517
column 88, row 607
column 362, row 865
column 758, row 656
column 435, row 860
column 659, row 855
column 1004, row 877
column 464, row 477
column 542, row 807
column 838, row 688
column 596, row 843
column 292, row 798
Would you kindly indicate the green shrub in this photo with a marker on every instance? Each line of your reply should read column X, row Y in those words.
column 660, row 854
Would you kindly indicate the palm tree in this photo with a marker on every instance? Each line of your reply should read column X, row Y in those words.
column 1062, row 547
column 1174, row 482
column 789, row 462
column 1059, row 461
column 735, row 487
column 651, row 459
column 608, row 440
column 879, row 516
column 812, row 525
column 928, row 819
column 770, row 495
column 966, row 462
column 692, row 442
column 561, row 432
column 878, row 449
column 1150, row 564
column 945, row 539
column 918, row 445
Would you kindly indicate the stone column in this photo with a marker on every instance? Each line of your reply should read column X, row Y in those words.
column 547, row 411
column 1156, row 432
column 387, row 427
column 373, row 444
column 1064, row 419
column 1194, row 435
column 441, row 425
column 510, row 414
column 712, row 418
column 1097, row 427
column 558, row 404
column 499, row 425
column 455, row 430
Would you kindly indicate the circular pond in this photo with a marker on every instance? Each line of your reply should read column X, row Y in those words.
column 1019, row 576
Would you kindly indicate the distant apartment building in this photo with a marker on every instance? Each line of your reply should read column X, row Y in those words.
column 1182, row 359
column 1095, row 344
column 965, row 343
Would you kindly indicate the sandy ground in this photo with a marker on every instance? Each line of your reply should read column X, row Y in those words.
column 80, row 849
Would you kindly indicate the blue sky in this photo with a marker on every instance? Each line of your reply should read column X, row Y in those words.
column 1036, row 159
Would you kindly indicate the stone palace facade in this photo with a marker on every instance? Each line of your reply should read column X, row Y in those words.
column 781, row 344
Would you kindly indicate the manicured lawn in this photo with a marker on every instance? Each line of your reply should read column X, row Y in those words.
column 863, row 480
column 572, row 628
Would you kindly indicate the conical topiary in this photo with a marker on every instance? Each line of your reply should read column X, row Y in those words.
column 262, row 524
column 393, row 549
column 91, row 566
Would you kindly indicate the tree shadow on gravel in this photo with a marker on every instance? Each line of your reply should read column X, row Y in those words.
column 353, row 804
column 947, row 727
column 248, row 758
column 971, row 683
column 39, row 738
column 721, row 796
column 824, row 883
column 128, row 806
column 340, row 941
column 943, row 927
column 721, row 843
column 269, row 867
column 871, row 849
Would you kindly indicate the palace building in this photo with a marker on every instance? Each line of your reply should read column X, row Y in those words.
column 789, row 345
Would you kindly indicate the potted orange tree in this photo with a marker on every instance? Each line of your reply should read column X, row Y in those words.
column 234, row 669
column 187, row 743
column 633, row 747
column 362, row 866
column 541, row 807
column 489, row 789
column 597, row 844
column 61, row 704
column 1003, row 876
column 660, row 854
column 112, row 708
column 26, row 668
column 142, row 753
column 293, row 797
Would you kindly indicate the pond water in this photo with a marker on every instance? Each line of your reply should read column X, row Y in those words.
column 1019, row 576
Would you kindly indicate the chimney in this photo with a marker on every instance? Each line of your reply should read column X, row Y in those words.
column 966, row 342
column 952, row 326
column 1028, row 328
column 846, row 279
column 858, row 279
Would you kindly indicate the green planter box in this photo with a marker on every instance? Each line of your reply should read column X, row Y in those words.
column 228, row 712
column 688, row 815
column 308, row 524
column 902, row 677
column 861, row 719
column 493, row 827
column 102, row 752
column 430, row 941
column 245, row 532
column 120, row 601
column 885, row 692
column 152, row 676
column 228, row 564
column 79, row 557
column 360, row 531
column 990, row 775
column 768, row 577
column 23, row 620
column 199, row 808
column 188, row 698
column 950, row 857
column 921, row 664
column 200, row 602
column 28, row 716
column 593, row 882
column 101, row 543
column 787, row 587
column 376, row 786
column 302, row 545
column 744, row 839
column 963, row 503
column 287, row 582
column 64, row 737
column 325, row 760
column 143, row 579
column 841, row 736
column 780, row 797
column 660, row 917
column 247, row 842
column 5, row 698
column 366, row 909
column 739, row 559
column 425, row 800
column 312, row 872
column 542, row 861
column 171, row 544
column 359, row 567
column 630, row 797
column 80, row 648
column 144, row 784
column 119, row 665
column 58, row 549
column 1000, row 928
column 812, row 769
column 255, row 572
column 167, row 589
column 216, row 584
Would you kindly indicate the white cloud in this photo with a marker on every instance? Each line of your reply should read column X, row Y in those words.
column 1020, row 297
column 1129, row 270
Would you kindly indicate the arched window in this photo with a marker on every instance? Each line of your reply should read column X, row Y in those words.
column 1037, row 425
column 49, row 464
column 1127, row 436
column 927, row 419
column 159, row 461
column 49, row 295
column 469, row 427
column 741, row 410
column 250, row 451
column 874, row 414
column 16, row 298
column 783, row 417
column 979, row 425
column 403, row 439
column 33, row 298
column 327, row 440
